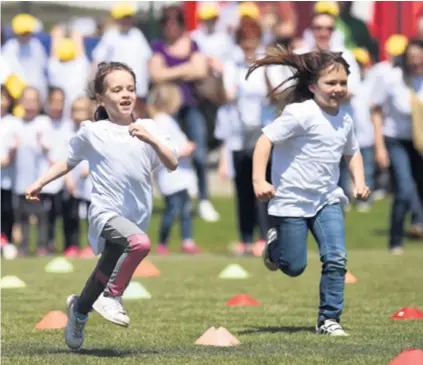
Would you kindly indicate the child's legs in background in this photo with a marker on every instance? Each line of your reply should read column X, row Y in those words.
column 246, row 200
column 174, row 204
column 41, row 210
column 7, row 216
column 22, row 214
column 186, row 218
column 125, row 248
column 71, row 221
column 369, row 166
column 329, row 231
column 289, row 251
column 54, row 211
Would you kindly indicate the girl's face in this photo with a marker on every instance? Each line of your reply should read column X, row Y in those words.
column 5, row 104
column 55, row 105
column 415, row 60
column 331, row 88
column 119, row 95
column 30, row 101
column 172, row 29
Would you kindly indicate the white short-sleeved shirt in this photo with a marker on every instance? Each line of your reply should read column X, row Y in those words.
column 394, row 97
column 8, row 140
column 120, row 171
column 217, row 44
column 131, row 48
column 308, row 147
column 182, row 178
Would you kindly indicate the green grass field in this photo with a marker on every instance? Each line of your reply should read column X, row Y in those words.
column 189, row 297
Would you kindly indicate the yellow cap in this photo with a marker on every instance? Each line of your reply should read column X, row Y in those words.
column 330, row 7
column 362, row 56
column 249, row 9
column 121, row 10
column 18, row 111
column 396, row 44
column 15, row 86
column 208, row 10
column 66, row 50
column 23, row 23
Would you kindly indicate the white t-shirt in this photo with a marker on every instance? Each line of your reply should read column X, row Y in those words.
column 8, row 140
column 131, row 48
column 120, row 170
column 217, row 44
column 308, row 147
column 182, row 178
column 395, row 98
column 33, row 135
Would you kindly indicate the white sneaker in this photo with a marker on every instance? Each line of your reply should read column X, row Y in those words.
column 272, row 235
column 207, row 212
column 111, row 309
column 331, row 328
column 74, row 330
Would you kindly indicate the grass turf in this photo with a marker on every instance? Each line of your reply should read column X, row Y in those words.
column 189, row 297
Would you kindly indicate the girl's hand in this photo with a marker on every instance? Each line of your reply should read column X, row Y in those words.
column 136, row 130
column 31, row 193
column 361, row 193
column 264, row 191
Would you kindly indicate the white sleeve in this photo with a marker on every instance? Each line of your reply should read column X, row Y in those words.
column 351, row 146
column 354, row 77
column 286, row 126
column 229, row 76
column 78, row 148
column 101, row 51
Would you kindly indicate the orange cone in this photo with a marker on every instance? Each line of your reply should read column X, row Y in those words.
column 408, row 313
column 242, row 300
column 408, row 357
column 350, row 278
column 146, row 269
column 220, row 337
column 53, row 320
column 87, row 253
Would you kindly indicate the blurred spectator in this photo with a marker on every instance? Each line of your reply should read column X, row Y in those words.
column 28, row 51
column 126, row 43
column 68, row 66
column 177, row 59
column 398, row 104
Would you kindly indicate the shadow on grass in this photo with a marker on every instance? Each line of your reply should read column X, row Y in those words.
column 285, row 329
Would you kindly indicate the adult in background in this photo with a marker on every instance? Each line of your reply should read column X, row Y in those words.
column 177, row 59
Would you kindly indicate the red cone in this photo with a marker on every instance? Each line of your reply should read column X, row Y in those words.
column 242, row 300
column 408, row 313
column 408, row 357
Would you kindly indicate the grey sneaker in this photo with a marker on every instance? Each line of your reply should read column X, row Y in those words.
column 330, row 327
column 74, row 330
column 272, row 235
column 111, row 309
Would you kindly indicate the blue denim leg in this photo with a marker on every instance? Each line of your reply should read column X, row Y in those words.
column 404, row 189
column 290, row 249
column 172, row 211
column 196, row 129
column 328, row 229
column 186, row 218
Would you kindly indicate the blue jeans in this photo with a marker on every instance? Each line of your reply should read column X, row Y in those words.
column 177, row 204
column 405, row 192
column 290, row 253
column 192, row 121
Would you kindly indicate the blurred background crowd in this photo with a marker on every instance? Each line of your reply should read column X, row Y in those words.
column 50, row 51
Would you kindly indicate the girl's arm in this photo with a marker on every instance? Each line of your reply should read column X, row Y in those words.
column 263, row 190
column 356, row 167
column 58, row 169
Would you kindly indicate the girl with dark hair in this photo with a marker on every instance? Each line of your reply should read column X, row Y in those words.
column 397, row 106
column 122, row 155
column 313, row 133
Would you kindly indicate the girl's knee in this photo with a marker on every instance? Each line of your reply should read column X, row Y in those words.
column 139, row 243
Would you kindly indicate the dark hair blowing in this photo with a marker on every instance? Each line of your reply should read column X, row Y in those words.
column 97, row 85
column 306, row 69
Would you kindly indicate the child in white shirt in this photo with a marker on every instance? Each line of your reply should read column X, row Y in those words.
column 164, row 101
column 122, row 155
column 313, row 133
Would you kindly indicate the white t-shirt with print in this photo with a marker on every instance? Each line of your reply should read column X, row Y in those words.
column 182, row 178
column 8, row 140
column 120, row 170
column 308, row 145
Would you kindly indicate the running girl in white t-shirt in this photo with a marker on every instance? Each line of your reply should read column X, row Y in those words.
column 313, row 133
column 122, row 155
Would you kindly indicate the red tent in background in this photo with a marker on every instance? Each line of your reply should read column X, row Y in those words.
column 190, row 11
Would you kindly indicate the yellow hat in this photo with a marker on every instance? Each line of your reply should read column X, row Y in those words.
column 362, row 56
column 330, row 7
column 66, row 50
column 396, row 44
column 249, row 9
column 121, row 10
column 23, row 23
column 208, row 10
column 15, row 85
